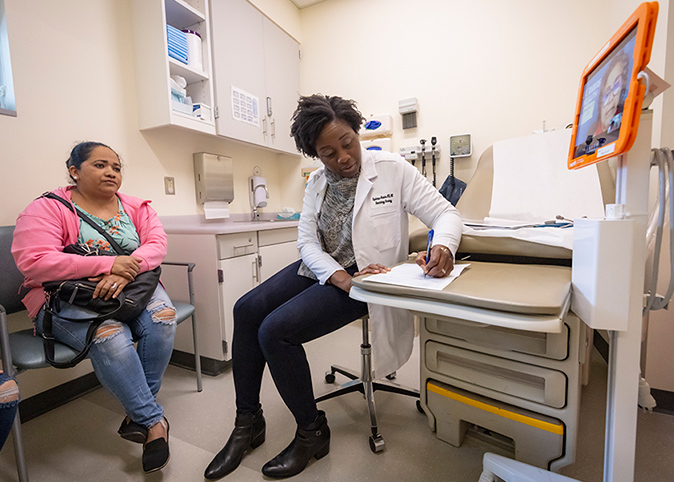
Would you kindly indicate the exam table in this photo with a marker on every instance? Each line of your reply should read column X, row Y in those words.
column 501, row 351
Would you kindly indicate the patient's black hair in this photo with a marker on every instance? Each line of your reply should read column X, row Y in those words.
column 314, row 112
column 81, row 153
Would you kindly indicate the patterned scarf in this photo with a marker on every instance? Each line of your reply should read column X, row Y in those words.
column 335, row 221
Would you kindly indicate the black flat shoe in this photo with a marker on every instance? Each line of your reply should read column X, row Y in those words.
column 156, row 453
column 130, row 430
column 305, row 445
column 248, row 433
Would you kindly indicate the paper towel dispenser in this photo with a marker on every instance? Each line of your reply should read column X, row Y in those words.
column 213, row 177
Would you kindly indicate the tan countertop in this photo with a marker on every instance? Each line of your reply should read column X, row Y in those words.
column 236, row 223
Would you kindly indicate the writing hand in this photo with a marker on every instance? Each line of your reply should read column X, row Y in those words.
column 440, row 264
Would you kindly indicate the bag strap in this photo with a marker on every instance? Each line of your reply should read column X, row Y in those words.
column 89, row 221
column 48, row 341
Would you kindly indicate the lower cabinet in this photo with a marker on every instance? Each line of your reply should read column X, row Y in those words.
column 519, row 389
column 277, row 249
column 227, row 266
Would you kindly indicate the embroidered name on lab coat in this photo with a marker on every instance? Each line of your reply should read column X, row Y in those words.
column 382, row 199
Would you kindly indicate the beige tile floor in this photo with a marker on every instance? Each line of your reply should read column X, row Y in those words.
column 78, row 442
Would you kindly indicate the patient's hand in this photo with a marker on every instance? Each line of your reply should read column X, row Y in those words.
column 126, row 266
column 440, row 264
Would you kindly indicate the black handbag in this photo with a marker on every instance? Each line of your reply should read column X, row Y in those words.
column 129, row 304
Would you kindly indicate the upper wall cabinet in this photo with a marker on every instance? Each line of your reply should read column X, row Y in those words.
column 160, row 102
column 257, row 72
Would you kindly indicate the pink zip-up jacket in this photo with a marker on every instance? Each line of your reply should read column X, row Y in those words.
column 46, row 226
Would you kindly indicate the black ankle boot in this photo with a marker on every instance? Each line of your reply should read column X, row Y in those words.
column 296, row 456
column 249, row 430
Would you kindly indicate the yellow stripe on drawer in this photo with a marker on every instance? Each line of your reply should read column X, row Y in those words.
column 556, row 428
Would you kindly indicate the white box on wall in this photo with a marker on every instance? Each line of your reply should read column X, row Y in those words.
column 383, row 144
column 376, row 126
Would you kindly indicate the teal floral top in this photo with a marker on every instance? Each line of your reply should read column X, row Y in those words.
column 119, row 227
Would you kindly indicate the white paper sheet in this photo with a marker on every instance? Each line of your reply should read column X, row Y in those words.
column 216, row 209
column 532, row 183
column 409, row 274
column 245, row 107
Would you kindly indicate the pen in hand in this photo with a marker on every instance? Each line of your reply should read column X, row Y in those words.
column 429, row 241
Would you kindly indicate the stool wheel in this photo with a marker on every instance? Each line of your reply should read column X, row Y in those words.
column 420, row 408
column 377, row 443
column 329, row 377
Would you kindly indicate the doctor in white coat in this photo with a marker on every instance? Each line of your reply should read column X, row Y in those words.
column 354, row 221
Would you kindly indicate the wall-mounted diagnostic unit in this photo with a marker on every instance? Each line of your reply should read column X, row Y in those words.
column 460, row 145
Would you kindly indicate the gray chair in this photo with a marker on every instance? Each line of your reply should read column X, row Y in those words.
column 21, row 350
column 186, row 310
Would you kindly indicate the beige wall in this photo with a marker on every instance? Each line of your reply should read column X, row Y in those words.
column 492, row 68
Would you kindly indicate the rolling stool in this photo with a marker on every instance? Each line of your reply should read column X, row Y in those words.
column 365, row 384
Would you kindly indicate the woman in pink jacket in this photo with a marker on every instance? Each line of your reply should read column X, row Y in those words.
column 45, row 227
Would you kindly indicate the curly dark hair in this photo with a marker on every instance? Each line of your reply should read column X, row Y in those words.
column 314, row 112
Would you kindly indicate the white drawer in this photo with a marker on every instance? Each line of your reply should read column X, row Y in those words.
column 238, row 244
column 529, row 382
column 549, row 345
column 276, row 236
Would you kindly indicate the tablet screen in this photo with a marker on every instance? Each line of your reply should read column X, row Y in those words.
column 604, row 95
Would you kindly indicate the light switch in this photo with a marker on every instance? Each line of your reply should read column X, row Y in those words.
column 169, row 185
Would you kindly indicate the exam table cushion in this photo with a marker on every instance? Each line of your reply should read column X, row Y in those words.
column 516, row 288
column 496, row 245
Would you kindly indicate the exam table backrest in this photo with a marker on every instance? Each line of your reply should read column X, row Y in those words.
column 475, row 204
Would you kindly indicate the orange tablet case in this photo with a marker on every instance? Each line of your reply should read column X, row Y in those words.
column 643, row 21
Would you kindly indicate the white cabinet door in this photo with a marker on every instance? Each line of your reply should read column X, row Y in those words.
column 254, row 56
column 282, row 75
column 276, row 257
column 239, row 275
column 238, row 62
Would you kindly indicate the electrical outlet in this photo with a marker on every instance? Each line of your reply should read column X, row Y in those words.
column 169, row 185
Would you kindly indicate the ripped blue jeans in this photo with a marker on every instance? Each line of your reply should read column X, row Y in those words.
column 132, row 375
column 9, row 402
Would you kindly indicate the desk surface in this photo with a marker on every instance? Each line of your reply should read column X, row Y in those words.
column 525, row 297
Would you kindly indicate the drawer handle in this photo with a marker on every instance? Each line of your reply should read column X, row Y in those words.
column 243, row 246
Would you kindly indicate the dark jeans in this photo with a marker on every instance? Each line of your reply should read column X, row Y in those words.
column 7, row 412
column 271, row 322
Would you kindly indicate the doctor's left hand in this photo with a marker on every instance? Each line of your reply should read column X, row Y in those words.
column 342, row 279
column 373, row 268
column 440, row 264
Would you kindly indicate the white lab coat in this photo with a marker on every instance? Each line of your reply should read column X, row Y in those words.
column 388, row 187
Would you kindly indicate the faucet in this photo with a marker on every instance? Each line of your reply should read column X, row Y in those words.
column 255, row 216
